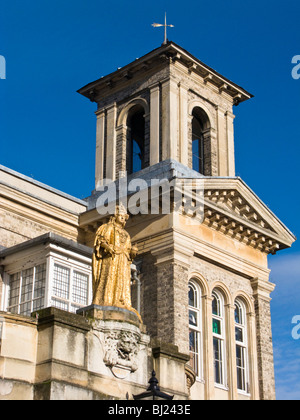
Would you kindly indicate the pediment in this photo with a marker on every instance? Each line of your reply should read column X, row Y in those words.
column 232, row 208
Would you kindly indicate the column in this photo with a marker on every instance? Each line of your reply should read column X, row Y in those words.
column 121, row 148
column 261, row 294
column 170, row 120
column 111, row 143
column 172, row 277
column 222, row 142
column 183, row 125
column 100, row 139
column 230, row 143
column 252, row 356
column 154, row 124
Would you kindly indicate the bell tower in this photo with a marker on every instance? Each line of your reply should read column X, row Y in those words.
column 165, row 105
column 204, row 286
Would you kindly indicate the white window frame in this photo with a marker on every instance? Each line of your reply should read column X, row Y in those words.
column 243, row 345
column 54, row 254
column 221, row 340
column 7, row 305
column 73, row 266
column 197, row 329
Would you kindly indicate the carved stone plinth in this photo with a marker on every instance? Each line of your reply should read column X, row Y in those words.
column 121, row 335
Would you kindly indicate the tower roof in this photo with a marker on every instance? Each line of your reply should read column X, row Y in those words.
column 169, row 52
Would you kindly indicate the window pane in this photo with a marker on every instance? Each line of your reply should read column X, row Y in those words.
column 217, row 326
column 38, row 304
column 14, row 290
column 239, row 334
column 73, row 308
column 215, row 306
column 39, row 282
column 197, row 145
column 238, row 315
column 218, row 361
column 196, row 159
column 61, row 281
column 194, row 351
column 193, row 318
column 80, row 288
column 240, row 363
column 136, row 157
column 25, row 308
column 57, row 303
column 192, row 297
column 27, row 283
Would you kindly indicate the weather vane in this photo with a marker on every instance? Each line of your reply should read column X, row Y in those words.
column 156, row 25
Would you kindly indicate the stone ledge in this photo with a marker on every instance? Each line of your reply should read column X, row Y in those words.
column 161, row 349
column 111, row 313
column 53, row 315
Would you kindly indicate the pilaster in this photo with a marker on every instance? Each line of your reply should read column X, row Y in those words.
column 230, row 143
column 222, row 142
column 121, row 140
column 261, row 294
column 208, row 366
column 111, row 143
column 183, row 125
column 169, row 120
column 252, row 355
column 100, row 139
column 154, row 123
column 172, row 271
column 231, row 351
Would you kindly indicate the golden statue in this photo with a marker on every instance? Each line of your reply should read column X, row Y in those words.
column 112, row 258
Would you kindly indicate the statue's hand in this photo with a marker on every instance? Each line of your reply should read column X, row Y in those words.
column 108, row 249
column 133, row 251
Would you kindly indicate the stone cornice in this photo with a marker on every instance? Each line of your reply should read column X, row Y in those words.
column 231, row 208
column 167, row 55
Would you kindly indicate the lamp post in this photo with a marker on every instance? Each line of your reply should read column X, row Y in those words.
column 153, row 391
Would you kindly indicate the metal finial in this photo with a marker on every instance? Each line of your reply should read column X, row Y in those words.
column 153, row 391
column 156, row 25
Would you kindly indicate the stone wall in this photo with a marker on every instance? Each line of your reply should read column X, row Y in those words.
column 99, row 355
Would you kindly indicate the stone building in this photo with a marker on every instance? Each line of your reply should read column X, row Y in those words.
column 202, row 289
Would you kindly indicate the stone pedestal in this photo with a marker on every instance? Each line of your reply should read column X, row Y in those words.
column 123, row 338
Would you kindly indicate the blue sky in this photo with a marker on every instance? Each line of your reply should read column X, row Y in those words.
column 54, row 47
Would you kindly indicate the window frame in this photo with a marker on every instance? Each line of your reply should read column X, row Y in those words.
column 221, row 340
column 20, row 302
column 73, row 266
column 243, row 345
column 199, row 138
column 197, row 329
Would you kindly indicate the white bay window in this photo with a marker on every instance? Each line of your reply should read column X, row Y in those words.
column 47, row 271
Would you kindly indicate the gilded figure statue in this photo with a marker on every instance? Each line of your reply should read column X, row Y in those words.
column 112, row 258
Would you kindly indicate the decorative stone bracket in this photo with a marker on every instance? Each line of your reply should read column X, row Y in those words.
column 121, row 336
column 121, row 349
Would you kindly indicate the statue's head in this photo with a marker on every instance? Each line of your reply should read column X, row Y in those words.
column 121, row 215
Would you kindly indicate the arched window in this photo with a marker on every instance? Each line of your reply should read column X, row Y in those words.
column 218, row 326
column 195, row 328
column 241, row 346
column 136, row 139
column 197, row 145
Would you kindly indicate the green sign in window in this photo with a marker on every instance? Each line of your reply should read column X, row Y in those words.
column 216, row 326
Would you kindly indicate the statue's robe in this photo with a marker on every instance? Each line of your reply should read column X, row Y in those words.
column 112, row 274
